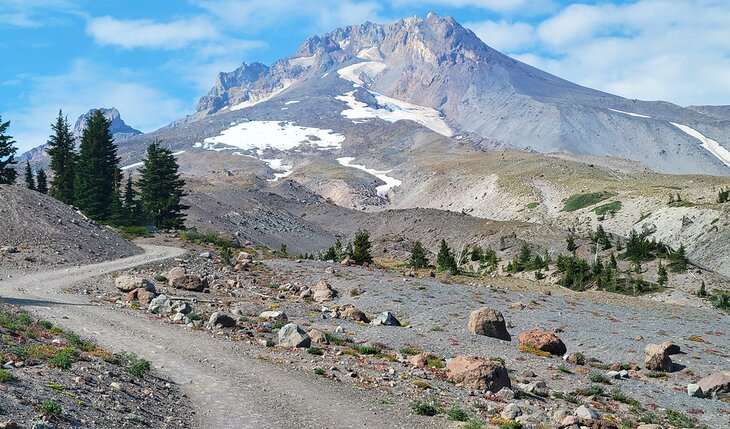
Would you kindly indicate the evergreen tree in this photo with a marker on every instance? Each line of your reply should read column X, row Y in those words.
column 96, row 169
column 523, row 260
column 338, row 250
column 161, row 188
column 42, row 185
column 29, row 178
column 282, row 250
column 570, row 244
column 361, row 248
column 477, row 254
column 60, row 148
column 614, row 264
column 132, row 206
column 7, row 155
column 418, row 256
column 662, row 275
column 445, row 260
column 118, row 216
column 329, row 255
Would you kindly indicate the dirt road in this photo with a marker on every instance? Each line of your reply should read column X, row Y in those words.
column 228, row 388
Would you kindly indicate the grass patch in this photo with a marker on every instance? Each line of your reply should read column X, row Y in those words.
column 410, row 350
column 532, row 350
column 679, row 420
column 420, row 384
column 160, row 278
column 138, row 367
column 434, row 362
column 620, row 396
column 599, row 378
column 580, row 201
column 564, row 369
column 591, row 391
column 532, row 205
column 201, row 238
column 566, row 397
column 612, row 207
column 367, row 350
column 319, row 371
column 64, row 358
column 426, row 408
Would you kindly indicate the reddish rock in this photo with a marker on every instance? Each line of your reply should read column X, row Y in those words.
column 478, row 373
column 545, row 341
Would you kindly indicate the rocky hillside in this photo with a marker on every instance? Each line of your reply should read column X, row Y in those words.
column 36, row 231
column 51, row 378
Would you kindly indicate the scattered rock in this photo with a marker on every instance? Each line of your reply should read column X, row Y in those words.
column 576, row 359
column 650, row 426
column 511, row 411
column 178, row 278
column 160, row 305
column 221, row 319
column 206, row 255
column 694, row 390
column 130, row 283
column 291, row 335
column 274, row 315
column 144, row 296
column 349, row 311
column 716, row 386
column 488, row 322
column 347, row 262
column 670, row 348
column 478, row 373
column 585, row 412
column 318, row 337
column 421, row 360
column 545, row 341
column 245, row 257
column 329, row 270
column 323, row 292
column 385, row 318
column 9, row 249
column 656, row 358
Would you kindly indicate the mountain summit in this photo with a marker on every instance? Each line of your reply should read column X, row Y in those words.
column 117, row 127
column 438, row 64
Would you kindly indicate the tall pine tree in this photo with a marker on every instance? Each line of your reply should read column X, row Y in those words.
column 131, row 204
column 60, row 147
column 42, row 185
column 29, row 178
column 7, row 155
column 95, row 169
column 161, row 188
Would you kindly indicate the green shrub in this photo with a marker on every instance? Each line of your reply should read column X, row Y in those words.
column 367, row 350
column 79, row 343
column 160, row 278
column 564, row 369
column 51, row 409
column 315, row 351
column 132, row 232
column 319, row 371
column 5, row 376
column 599, row 378
column 45, row 324
column 425, row 408
column 679, row 420
column 619, row 396
column 138, row 367
column 64, row 358
column 580, row 201
column 192, row 234
column 410, row 350
column 591, row 391
column 457, row 414
column 473, row 424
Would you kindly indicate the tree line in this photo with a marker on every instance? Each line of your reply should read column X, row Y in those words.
column 90, row 178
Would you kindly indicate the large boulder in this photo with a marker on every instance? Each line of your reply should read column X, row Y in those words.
column 656, row 358
column 274, row 315
column 349, row 311
column 385, row 318
column 488, row 322
column 130, row 283
column 545, row 341
column 716, row 385
column 322, row 292
column 143, row 296
column 318, row 337
column 291, row 335
column 478, row 373
column 221, row 319
column 160, row 305
column 179, row 278
column 671, row 348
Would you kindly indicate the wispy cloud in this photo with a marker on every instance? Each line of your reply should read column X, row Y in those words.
column 145, row 33
column 32, row 13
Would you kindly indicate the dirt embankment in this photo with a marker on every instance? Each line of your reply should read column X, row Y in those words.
column 36, row 231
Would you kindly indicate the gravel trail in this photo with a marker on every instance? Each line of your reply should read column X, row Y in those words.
column 229, row 389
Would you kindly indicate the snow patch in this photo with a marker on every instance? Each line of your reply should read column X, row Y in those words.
column 393, row 110
column 382, row 190
column 710, row 145
column 281, row 170
column 284, row 135
column 292, row 102
column 139, row 164
column 636, row 115
column 353, row 72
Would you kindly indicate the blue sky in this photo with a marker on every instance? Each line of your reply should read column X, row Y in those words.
column 154, row 59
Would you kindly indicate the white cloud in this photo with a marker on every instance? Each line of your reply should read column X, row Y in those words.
column 254, row 16
column 85, row 87
column 521, row 7
column 144, row 33
column 504, row 36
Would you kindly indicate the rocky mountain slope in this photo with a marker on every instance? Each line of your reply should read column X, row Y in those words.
column 37, row 232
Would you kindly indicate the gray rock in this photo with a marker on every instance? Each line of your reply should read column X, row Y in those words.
column 206, row 255
column 130, row 283
column 716, row 386
column 488, row 322
column 511, row 411
column 586, row 413
column 291, row 335
column 274, row 315
column 180, row 307
column 385, row 318
column 694, row 390
column 613, row 374
column 623, row 373
column 222, row 319
column 160, row 305
column 505, row 393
